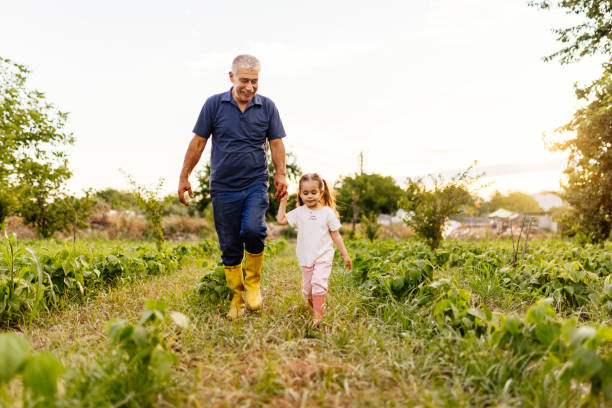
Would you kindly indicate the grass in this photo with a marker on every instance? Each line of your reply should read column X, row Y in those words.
column 373, row 353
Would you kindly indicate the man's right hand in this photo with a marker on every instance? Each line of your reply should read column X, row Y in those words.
column 194, row 152
column 184, row 186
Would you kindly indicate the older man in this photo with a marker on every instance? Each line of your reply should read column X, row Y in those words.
column 239, row 122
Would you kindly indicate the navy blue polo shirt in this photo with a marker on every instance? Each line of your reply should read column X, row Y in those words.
column 238, row 157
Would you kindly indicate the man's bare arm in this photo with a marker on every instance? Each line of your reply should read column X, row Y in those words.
column 192, row 157
column 277, row 148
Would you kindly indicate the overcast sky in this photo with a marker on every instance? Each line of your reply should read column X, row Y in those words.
column 419, row 87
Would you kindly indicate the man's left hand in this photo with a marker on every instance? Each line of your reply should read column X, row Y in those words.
column 280, row 184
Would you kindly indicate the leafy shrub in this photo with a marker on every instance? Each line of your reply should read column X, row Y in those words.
column 568, row 285
column 392, row 269
column 212, row 287
column 134, row 372
column 39, row 372
column 274, row 246
column 289, row 232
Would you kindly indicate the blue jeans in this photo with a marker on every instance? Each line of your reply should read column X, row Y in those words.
column 240, row 221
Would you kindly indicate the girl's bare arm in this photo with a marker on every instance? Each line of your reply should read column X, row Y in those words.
column 282, row 211
column 337, row 238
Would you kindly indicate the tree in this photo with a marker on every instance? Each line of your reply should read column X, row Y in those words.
column 202, row 194
column 370, row 226
column 430, row 207
column 40, row 196
column 366, row 194
column 118, row 200
column 514, row 201
column 33, row 163
column 153, row 205
column 589, row 171
column 588, row 38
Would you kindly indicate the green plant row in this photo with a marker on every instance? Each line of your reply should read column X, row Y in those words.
column 134, row 372
column 30, row 283
column 573, row 277
column 563, row 350
column 396, row 282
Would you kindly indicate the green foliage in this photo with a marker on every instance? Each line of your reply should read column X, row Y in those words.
column 33, row 163
column 394, row 270
column 589, row 167
column 118, row 200
column 212, row 286
column 371, row 194
column 369, row 224
column 430, row 207
column 31, row 282
column 289, row 232
column 569, row 285
column 153, row 205
column 589, row 170
column 274, row 246
column 49, row 217
column 201, row 194
column 134, row 372
column 571, row 353
column 33, row 166
column 8, row 203
column 592, row 36
column 39, row 372
column 514, row 201
column 500, row 354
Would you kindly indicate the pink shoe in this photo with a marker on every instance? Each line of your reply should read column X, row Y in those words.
column 318, row 306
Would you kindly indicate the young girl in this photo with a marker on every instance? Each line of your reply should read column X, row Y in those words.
column 317, row 227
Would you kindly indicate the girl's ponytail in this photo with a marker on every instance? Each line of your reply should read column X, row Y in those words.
column 328, row 197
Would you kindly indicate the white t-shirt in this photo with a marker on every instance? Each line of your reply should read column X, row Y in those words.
column 314, row 243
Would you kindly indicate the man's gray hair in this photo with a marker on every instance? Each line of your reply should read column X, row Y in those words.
column 246, row 61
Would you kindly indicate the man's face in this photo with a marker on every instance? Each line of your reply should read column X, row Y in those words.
column 245, row 84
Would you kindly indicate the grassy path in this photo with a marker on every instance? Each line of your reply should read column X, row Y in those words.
column 274, row 357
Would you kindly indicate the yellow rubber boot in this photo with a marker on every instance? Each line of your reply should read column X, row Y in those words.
column 233, row 277
column 252, row 277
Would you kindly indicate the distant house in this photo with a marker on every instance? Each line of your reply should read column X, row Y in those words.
column 503, row 214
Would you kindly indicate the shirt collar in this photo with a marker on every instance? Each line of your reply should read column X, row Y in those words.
column 227, row 97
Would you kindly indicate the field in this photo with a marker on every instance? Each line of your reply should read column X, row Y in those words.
column 116, row 323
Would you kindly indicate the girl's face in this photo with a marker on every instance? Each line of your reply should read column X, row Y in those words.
column 311, row 194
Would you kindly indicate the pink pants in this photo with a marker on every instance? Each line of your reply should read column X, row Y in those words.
column 314, row 279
